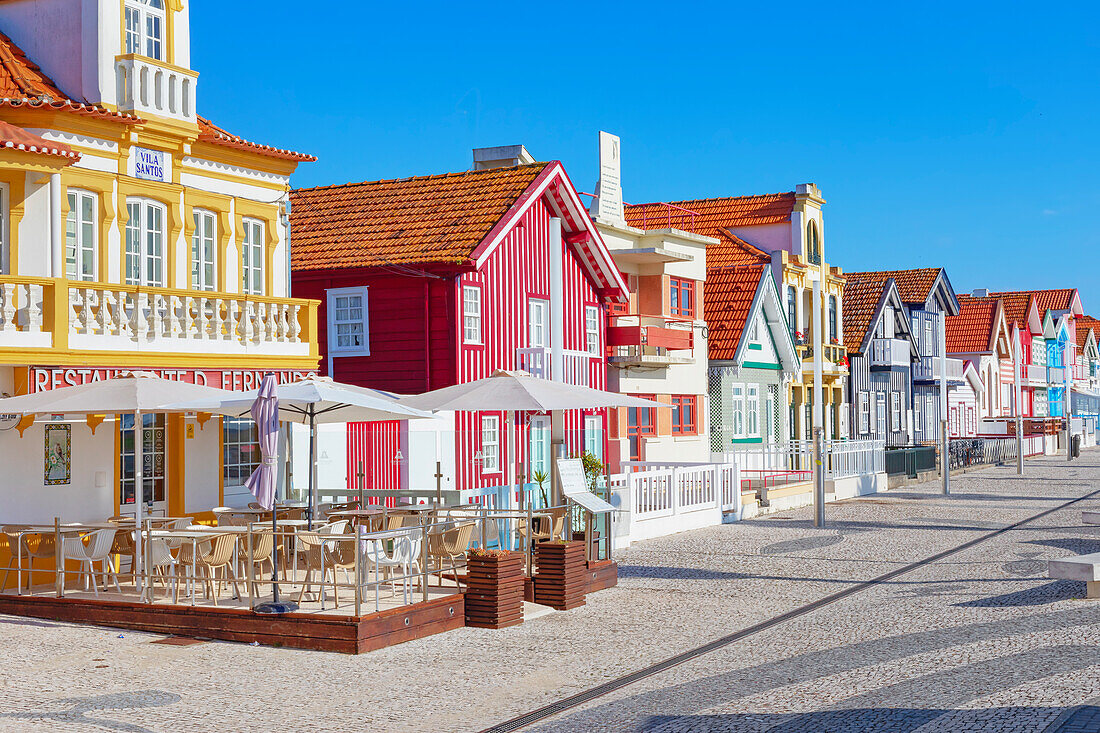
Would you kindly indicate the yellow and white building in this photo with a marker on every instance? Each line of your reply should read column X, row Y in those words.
column 134, row 234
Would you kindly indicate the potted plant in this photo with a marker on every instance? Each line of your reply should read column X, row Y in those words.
column 494, row 588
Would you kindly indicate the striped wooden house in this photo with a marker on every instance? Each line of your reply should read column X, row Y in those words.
column 980, row 335
column 432, row 281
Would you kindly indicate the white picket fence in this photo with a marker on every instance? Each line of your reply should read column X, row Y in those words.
column 657, row 499
column 842, row 458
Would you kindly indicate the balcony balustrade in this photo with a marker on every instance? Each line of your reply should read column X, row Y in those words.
column 635, row 339
column 834, row 358
column 150, row 87
column 886, row 353
column 60, row 314
column 928, row 369
column 576, row 367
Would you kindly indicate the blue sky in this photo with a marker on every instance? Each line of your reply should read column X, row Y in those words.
column 955, row 134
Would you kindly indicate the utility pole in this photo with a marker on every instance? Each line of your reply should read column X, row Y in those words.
column 819, row 465
column 1018, row 395
column 946, row 464
column 1067, row 360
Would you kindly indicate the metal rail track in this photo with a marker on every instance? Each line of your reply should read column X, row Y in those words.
column 554, row 708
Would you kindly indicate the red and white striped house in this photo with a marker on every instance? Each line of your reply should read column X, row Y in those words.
column 432, row 281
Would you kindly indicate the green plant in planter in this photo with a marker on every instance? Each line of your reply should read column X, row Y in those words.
column 594, row 468
column 540, row 477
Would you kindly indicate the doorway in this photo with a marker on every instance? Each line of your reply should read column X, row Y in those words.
column 154, row 441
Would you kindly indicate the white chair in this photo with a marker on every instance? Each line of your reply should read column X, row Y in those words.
column 161, row 562
column 406, row 555
column 97, row 550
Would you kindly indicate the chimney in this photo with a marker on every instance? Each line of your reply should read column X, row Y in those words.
column 981, row 293
column 503, row 156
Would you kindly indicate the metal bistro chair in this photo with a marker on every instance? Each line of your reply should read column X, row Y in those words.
column 450, row 544
column 10, row 534
column 263, row 549
column 220, row 557
column 315, row 544
column 548, row 526
column 98, row 549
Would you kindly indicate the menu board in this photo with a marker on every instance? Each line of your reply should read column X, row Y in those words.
column 574, row 487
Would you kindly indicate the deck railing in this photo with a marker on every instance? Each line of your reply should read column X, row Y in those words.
column 841, row 458
column 575, row 368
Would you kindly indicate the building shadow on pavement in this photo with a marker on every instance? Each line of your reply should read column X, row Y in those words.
column 73, row 711
column 1059, row 590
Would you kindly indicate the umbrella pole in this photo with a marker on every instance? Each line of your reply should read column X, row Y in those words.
column 274, row 555
column 139, row 498
column 312, row 465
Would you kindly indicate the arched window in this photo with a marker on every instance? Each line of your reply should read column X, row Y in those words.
column 792, row 310
column 145, row 28
column 813, row 244
column 833, row 335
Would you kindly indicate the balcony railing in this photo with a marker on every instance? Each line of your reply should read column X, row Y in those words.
column 886, row 353
column 150, row 87
column 834, row 357
column 928, row 369
column 1034, row 374
column 654, row 340
column 59, row 314
column 575, row 369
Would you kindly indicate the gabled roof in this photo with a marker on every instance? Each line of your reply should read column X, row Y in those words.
column 972, row 331
column 731, row 297
column 863, row 292
column 731, row 251
column 17, row 138
column 1064, row 299
column 453, row 219
column 1019, row 308
column 711, row 214
column 916, row 286
column 23, row 84
column 211, row 133
column 1085, row 324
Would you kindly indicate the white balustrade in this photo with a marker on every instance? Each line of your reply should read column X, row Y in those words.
column 148, row 86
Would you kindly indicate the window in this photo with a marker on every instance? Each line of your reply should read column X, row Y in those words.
column 929, row 416
column 593, row 435
column 145, row 28
column 769, row 416
column 80, row 236
column 152, row 447
column 895, row 411
column 240, row 450
column 639, row 423
column 916, row 414
column 539, row 437
column 737, row 422
column 592, row 328
column 752, row 411
column 834, row 334
column 888, row 322
column 792, row 310
column 145, row 242
column 864, row 413
column 808, row 421
column 682, row 297
column 880, row 413
column 347, row 321
column 471, row 314
column 928, row 349
column 538, row 324
column 954, row 421
column 202, row 251
column 490, row 444
column 5, row 257
column 754, row 331
column 813, row 244
column 252, row 257
column 683, row 414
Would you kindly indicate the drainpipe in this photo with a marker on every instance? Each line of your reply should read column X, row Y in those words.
column 816, row 333
column 57, row 252
column 557, row 362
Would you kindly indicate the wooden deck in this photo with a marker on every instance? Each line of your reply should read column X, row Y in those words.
column 336, row 630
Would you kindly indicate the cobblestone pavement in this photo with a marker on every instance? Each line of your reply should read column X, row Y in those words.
column 979, row 641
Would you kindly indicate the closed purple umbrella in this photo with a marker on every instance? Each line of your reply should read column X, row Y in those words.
column 265, row 412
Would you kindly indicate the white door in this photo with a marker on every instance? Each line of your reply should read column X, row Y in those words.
column 538, row 323
column 154, row 465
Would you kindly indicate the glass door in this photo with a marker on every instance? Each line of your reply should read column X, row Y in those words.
column 153, row 465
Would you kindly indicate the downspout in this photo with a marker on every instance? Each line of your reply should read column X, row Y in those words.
column 57, row 252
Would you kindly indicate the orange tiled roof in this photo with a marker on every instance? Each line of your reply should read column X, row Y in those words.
column 972, row 329
column 711, row 214
column 1058, row 300
column 420, row 220
column 727, row 299
column 1017, row 306
column 22, row 84
column 211, row 133
column 731, row 250
column 15, row 137
column 1084, row 325
column 862, row 294
column 913, row 285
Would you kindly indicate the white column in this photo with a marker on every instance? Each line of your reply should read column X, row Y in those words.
column 945, row 464
column 557, row 302
column 57, row 237
column 1017, row 395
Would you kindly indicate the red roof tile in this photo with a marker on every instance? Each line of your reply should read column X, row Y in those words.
column 727, row 299
column 731, row 250
column 1059, row 300
column 914, row 285
column 862, row 294
column 1084, row 325
column 1017, row 307
column 971, row 331
column 15, row 137
column 706, row 215
column 22, row 84
column 420, row 220
column 211, row 133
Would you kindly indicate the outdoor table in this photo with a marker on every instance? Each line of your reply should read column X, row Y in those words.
column 356, row 516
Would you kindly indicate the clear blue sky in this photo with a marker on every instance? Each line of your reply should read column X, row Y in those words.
column 953, row 134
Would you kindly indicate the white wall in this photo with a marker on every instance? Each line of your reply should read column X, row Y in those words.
column 201, row 465
column 50, row 33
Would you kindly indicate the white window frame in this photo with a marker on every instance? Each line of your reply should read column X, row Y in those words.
column 593, row 435
column 334, row 322
column 737, row 413
column 539, row 445
column 929, row 338
column 204, row 250
column 76, row 227
column 141, row 40
column 239, row 433
column 253, row 258
column 895, row 411
column 5, row 254
column 538, row 323
column 880, row 413
column 752, row 410
column 490, row 448
column 864, row 413
column 592, row 329
column 139, row 243
column 929, row 415
column 471, row 314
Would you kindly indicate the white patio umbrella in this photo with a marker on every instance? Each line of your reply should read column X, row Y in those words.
column 313, row 401
column 131, row 392
column 517, row 391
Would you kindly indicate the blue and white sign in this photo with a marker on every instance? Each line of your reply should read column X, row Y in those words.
column 148, row 164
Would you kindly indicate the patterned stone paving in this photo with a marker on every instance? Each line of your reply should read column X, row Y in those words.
column 980, row 641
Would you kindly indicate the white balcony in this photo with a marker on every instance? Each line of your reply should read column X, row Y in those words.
column 1056, row 375
column 928, row 369
column 576, row 365
column 887, row 353
column 150, row 87
column 1034, row 375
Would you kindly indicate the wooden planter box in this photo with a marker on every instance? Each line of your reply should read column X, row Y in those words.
column 561, row 579
column 494, row 590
